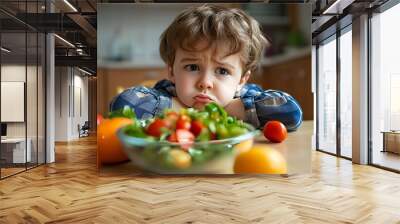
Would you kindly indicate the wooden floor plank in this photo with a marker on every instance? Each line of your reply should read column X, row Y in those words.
column 73, row 191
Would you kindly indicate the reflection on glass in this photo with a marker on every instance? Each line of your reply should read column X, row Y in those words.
column 327, row 97
column 386, row 88
column 346, row 94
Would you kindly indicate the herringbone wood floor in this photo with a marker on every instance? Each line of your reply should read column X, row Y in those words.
column 72, row 191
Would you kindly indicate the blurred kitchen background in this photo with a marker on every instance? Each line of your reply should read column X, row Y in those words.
column 128, row 43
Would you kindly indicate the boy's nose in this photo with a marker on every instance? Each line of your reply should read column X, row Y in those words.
column 205, row 82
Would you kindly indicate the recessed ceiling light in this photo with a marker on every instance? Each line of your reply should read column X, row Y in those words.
column 70, row 5
column 86, row 72
column 64, row 40
column 5, row 49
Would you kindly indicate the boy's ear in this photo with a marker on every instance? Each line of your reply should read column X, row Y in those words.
column 171, row 76
column 244, row 78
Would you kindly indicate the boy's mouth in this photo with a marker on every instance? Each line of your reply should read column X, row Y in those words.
column 202, row 98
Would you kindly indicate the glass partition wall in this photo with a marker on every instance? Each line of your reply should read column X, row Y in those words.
column 22, row 87
column 326, row 96
column 385, row 89
column 334, row 94
column 345, row 109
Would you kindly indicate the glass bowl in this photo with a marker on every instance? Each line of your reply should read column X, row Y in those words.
column 208, row 157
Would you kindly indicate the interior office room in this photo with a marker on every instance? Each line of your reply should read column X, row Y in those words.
column 54, row 85
column 40, row 71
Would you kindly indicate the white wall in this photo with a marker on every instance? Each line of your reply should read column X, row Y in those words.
column 61, row 103
column 67, row 114
column 135, row 23
column 33, row 126
column 16, row 73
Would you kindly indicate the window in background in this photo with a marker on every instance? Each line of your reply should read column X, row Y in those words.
column 385, row 88
column 346, row 92
column 326, row 123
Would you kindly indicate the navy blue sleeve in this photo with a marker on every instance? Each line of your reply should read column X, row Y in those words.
column 262, row 106
column 147, row 102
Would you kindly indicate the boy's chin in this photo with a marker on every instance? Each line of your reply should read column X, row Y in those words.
column 198, row 106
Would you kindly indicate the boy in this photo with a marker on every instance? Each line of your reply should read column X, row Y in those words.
column 210, row 52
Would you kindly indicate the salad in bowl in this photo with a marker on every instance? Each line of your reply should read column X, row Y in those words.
column 189, row 141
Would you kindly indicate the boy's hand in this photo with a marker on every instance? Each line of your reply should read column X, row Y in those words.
column 235, row 108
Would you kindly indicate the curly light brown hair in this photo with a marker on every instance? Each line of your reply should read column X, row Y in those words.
column 214, row 24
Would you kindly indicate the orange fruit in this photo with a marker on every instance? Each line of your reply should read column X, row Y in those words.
column 260, row 159
column 109, row 148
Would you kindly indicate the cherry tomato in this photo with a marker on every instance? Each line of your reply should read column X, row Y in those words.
column 196, row 127
column 183, row 122
column 275, row 131
column 213, row 136
column 154, row 129
column 172, row 137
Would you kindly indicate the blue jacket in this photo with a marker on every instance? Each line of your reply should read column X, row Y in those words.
column 260, row 105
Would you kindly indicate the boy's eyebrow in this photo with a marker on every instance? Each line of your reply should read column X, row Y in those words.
column 225, row 64
column 188, row 59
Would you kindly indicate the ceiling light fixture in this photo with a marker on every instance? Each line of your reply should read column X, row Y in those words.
column 64, row 40
column 5, row 49
column 331, row 7
column 84, row 71
column 70, row 5
column 337, row 7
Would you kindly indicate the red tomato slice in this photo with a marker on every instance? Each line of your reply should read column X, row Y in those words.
column 185, row 137
column 196, row 127
column 154, row 129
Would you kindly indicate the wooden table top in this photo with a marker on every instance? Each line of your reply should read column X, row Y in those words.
column 296, row 149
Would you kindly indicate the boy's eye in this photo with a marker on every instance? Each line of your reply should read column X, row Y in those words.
column 222, row 71
column 192, row 67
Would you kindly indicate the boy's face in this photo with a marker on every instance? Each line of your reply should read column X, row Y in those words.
column 204, row 76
